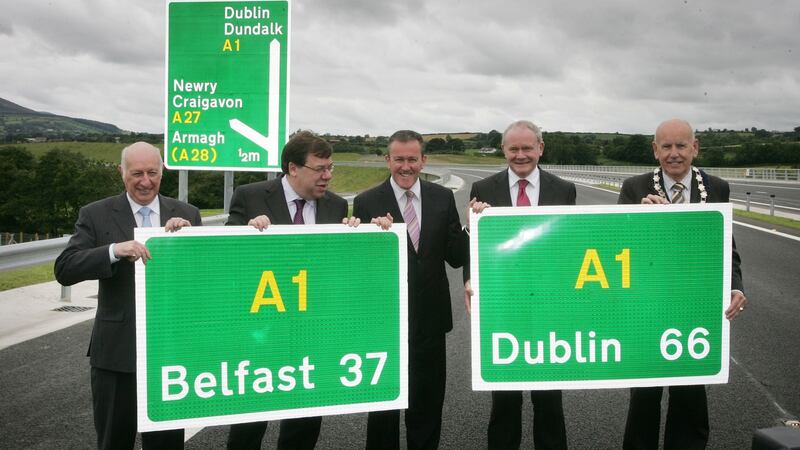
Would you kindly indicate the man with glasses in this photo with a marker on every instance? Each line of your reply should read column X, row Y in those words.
column 299, row 196
column 523, row 183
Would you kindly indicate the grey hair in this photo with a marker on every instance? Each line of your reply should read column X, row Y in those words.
column 523, row 124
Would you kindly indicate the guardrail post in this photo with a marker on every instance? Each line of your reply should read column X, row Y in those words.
column 748, row 201
column 771, row 204
column 66, row 294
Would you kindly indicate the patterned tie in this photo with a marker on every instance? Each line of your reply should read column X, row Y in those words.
column 410, row 217
column 677, row 197
column 145, row 212
column 298, row 215
column 522, row 197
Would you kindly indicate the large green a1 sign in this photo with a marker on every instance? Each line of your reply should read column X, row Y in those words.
column 235, row 325
column 600, row 296
column 227, row 84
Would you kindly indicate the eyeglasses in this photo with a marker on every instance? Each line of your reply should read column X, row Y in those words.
column 320, row 169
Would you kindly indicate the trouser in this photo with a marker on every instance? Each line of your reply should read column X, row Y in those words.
column 114, row 406
column 427, row 369
column 687, row 418
column 505, row 422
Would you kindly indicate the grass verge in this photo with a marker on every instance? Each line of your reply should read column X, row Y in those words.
column 11, row 279
column 774, row 220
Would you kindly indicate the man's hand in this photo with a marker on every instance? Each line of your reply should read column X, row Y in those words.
column 653, row 199
column 468, row 296
column 260, row 222
column 383, row 222
column 132, row 250
column 476, row 207
column 351, row 221
column 738, row 303
column 176, row 223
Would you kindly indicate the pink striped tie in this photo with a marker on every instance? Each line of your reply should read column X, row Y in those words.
column 410, row 217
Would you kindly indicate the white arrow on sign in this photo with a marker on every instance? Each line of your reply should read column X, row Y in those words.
column 269, row 142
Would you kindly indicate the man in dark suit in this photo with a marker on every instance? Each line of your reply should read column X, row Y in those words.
column 676, row 181
column 523, row 183
column 299, row 196
column 103, row 249
column 434, row 237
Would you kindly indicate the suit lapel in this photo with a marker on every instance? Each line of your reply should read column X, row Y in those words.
column 503, row 190
column 325, row 214
column 167, row 210
column 275, row 203
column 546, row 194
column 426, row 229
column 122, row 216
column 695, row 194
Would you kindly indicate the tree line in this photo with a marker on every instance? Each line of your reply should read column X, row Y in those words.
column 44, row 195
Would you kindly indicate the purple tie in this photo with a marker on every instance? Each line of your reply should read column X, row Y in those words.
column 412, row 223
column 298, row 215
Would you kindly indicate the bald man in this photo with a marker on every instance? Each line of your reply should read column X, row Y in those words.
column 676, row 181
column 103, row 249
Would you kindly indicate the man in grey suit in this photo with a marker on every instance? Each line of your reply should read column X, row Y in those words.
column 523, row 183
column 103, row 249
column 434, row 237
column 676, row 180
column 299, row 196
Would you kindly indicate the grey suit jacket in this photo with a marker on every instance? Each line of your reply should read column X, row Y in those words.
column 441, row 240
column 100, row 224
column 638, row 187
column 267, row 198
column 494, row 190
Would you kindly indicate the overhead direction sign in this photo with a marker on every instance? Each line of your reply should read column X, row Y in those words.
column 601, row 297
column 235, row 325
column 227, row 84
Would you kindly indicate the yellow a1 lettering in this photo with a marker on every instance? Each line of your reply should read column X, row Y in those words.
column 591, row 258
column 227, row 47
column 176, row 118
column 267, row 279
column 184, row 155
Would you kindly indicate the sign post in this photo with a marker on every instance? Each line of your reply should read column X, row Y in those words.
column 235, row 325
column 227, row 84
column 607, row 296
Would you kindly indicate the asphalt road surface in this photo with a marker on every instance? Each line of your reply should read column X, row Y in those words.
column 46, row 401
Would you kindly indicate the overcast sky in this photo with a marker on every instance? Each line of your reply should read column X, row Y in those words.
column 371, row 66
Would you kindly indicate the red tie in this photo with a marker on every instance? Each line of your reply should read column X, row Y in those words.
column 522, row 197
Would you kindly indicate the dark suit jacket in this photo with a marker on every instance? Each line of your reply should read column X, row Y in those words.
column 267, row 198
column 100, row 224
column 494, row 190
column 441, row 240
column 638, row 187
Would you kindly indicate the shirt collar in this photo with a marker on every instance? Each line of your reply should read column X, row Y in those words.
column 400, row 192
column 155, row 205
column 686, row 181
column 290, row 193
column 533, row 177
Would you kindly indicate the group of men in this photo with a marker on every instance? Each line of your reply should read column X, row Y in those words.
column 103, row 248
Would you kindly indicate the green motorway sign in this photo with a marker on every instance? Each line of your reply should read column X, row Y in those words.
column 227, row 84
column 235, row 325
column 600, row 296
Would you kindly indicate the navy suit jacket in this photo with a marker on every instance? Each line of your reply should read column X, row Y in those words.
column 441, row 240
column 267, row 198
column 100, row 224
